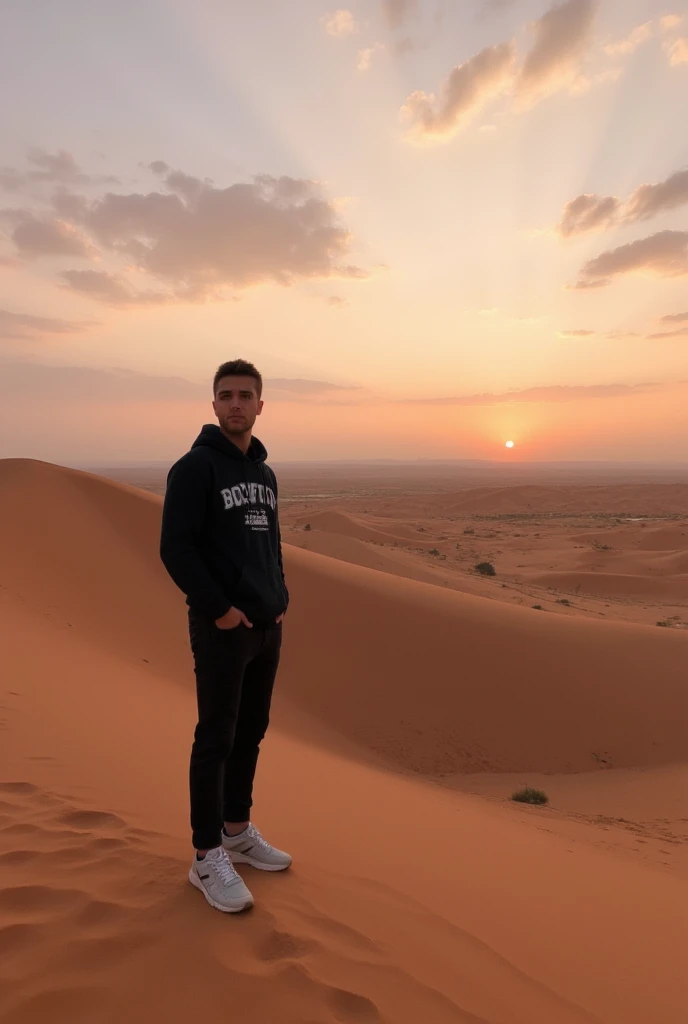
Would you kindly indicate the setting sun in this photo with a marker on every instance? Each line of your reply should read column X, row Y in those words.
column 509, row 444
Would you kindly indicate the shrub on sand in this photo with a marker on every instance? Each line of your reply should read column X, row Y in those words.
column 528, row 795
column 486, row 569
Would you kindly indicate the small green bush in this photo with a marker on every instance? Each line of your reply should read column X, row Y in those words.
column 307, row 526
column 537, row 607
column 528, row 795
column 563, row 600
column 486, row 569
column 469, row 529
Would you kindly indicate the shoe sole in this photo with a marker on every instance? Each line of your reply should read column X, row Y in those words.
column 196, row 882
column 242, row 858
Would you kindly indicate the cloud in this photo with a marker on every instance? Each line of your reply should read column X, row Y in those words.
column 670, row 21
column 397, row 11
column 467, row 89
column 649, row 200
column 554, row 62
column 73, row 384
column 548, row 394
column 674, row 318
column 35, row 236
column 610, row 335
column 336, row 301
column 681, row 332
column 628, row 45
column 664, row 254
column 24, row 327
column 158, row 167
column 109, row 288
column 299, row 387
column 562, row 35
column 341, row 23
column 193, row 239
column 273, row 229
column 588, row 212
column 55, row 168
column 584, row 83
column 678, row 51
column 365, row 57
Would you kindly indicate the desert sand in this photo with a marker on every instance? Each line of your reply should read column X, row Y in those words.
column 412, row 701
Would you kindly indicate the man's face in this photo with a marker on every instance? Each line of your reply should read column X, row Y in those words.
column 236, row 404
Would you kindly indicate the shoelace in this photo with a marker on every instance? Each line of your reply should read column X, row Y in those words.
column 257, row 838
column 225, row 869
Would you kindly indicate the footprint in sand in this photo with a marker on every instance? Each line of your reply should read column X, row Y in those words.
column 91, row 819
column 278, row 945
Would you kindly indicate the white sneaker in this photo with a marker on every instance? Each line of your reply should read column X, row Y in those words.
column 249, row 847
column 217, row 879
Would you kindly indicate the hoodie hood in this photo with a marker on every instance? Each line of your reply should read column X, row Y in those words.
column 212, row 437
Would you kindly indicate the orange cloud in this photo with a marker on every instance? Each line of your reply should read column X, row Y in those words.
column 24, row 327
column 52, row 168
column 678, row 51
column 664, row 254
column 340, row 23
column 74, row 384
column 467, row 89
column 681, row 332
column 193, row 239
column 628, row 45
column 649, row 200
column 397, row 11
column 35, row 236
column 365, row 56
column 562, row 35
column 589, row 212
column 546, row 394
column 109, row 289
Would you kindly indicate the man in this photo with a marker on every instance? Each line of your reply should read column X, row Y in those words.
column 220, row 543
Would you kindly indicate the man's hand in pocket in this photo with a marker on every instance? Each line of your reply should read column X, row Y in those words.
column 233, row 618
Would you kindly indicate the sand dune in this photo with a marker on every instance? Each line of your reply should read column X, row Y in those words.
column 543, row 542
column 406, row 903
column 628, row 499
column 377, row 531
column 645, row 537
column 618, row 585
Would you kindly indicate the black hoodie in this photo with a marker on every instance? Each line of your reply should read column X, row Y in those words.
column 220, row 539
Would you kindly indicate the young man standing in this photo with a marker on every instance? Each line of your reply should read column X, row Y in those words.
column 220, row 543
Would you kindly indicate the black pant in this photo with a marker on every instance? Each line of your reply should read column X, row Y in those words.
column 235, row 671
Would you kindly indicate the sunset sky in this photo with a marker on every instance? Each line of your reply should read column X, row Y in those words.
column 435, row 226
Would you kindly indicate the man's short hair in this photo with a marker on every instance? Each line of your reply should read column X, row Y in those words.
column 238, row 368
